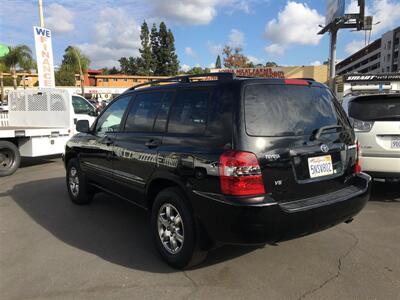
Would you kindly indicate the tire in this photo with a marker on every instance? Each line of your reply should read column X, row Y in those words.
column 10, row 158
column 179, row 235
column 77, row 186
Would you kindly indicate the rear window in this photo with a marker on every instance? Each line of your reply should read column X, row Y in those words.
column 287, row 110
column 189, row 112
column 375, row 108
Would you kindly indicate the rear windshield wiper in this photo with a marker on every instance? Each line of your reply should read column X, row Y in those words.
column 319, row 132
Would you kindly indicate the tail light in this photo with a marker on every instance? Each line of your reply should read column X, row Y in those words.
column 240, row 174
column 357, row 167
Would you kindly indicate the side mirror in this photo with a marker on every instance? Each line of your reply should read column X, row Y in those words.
column 82, row 126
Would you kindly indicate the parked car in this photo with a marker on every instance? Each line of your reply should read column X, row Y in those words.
column 376, row 121
column 222, row 161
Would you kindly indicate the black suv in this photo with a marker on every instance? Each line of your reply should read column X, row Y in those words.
column 218, row 159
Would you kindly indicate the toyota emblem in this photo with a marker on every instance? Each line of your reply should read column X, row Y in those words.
column 324, row 148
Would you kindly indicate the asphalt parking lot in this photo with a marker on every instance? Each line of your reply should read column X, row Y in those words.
column 52, row 249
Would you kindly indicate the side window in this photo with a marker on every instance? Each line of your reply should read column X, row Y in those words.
column 162, row 115
column 189, row 112
column 81, row 106
column 143, row 112
column 112, row 116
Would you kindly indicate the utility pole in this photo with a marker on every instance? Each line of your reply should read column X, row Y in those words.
column 332, row 58
column 339, row 20
column 41, row 13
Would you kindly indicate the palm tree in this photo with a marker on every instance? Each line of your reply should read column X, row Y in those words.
column 18, row 56
column 77, row 62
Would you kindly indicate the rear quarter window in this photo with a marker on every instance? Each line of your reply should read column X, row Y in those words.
column 189, row 112
column 287, row 110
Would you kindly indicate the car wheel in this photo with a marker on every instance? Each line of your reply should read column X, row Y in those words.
column 174, row 230
column 10, row 158
column 78, row 189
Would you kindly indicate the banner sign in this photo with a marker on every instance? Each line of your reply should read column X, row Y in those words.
column 44, row 57
column 335, row 9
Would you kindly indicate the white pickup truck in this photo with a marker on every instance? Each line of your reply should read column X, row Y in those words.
column 40, row 122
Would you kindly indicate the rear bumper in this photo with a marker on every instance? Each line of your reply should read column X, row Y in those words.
column 382, row 166
column 228, row 222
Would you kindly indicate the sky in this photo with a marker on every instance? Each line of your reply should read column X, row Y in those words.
column 284, row 31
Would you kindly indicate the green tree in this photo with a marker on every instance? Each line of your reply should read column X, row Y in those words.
column 158, row 56
column 167, row 63
column 198, row 70
column 146, row 61
column 155, row 49
column 18, row 57
column 130, row 65
column 112, row 71
column 64, row 77
column 271, row 64
column 218, row 63
column 74, row 61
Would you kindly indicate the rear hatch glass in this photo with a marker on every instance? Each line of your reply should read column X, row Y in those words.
column 379, row 108
column 282, row 122
column 288, row 110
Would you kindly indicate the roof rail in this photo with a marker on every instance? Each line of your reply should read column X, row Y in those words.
column 187, row 79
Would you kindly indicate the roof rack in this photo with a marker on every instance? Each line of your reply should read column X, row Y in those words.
column 187, row 79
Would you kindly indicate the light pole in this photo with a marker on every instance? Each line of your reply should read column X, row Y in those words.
column 41, row 13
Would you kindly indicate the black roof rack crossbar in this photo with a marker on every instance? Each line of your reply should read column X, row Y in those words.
column 187, row 79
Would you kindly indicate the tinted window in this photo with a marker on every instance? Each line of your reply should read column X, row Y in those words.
column 143, row 112
column 81, row 106
column 282, row 110
column 189, row 112
column 162, row 115
column 375, row 108
column 112, row 116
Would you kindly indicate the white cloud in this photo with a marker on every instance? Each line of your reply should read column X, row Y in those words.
column 316, row 63
column 296, row 24
column 115, row 35
column 214, row 49
column 386, row 12
column 193, row 12
column 190, row 52
column 58, row 18
column 211, row 65
column 255, row 60
column 275, row 49
column 236, row 38
column 196, row 12
column 354, row 46
column 185, row 68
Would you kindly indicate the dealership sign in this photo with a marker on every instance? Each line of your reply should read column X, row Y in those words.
column 335, row 9
column 255, row 72
column 44, row 57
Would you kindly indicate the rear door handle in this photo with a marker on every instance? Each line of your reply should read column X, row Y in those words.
column 152, row 143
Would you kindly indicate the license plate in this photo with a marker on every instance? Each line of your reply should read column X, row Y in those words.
column 395, row 144
column 320, row 166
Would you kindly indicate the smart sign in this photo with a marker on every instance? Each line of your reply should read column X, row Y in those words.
column 44, row 57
